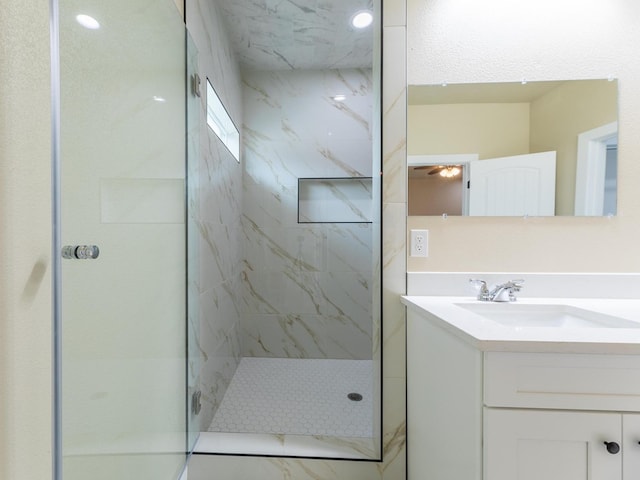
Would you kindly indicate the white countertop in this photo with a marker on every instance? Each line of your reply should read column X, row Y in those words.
column 487, row 335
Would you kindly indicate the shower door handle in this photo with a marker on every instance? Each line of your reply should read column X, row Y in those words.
column 80, row 252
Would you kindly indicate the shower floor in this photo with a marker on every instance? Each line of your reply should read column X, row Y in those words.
column 298, row 397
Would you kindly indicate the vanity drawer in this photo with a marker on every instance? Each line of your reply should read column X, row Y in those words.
column 562, row 381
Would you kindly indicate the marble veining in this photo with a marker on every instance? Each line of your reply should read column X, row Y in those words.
column 215, row 199
column 253, row 247
column 344, row 200
column 300, row 34
column 307, row 286
column 287, row 445
column 268, row 204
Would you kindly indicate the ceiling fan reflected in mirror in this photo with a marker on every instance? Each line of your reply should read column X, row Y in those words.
column 447, row 171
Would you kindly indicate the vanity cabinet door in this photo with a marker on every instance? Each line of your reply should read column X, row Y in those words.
column 631, row 446
column 551, row 445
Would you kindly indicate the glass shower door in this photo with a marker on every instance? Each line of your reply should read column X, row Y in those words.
column 121, row 320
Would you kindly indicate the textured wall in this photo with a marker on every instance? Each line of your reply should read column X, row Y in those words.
column 25, row 240
column 462, row 41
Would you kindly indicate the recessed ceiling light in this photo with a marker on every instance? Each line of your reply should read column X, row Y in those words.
column 339, row 98
column 362, row 19
column 159, row 99
column 88, row 22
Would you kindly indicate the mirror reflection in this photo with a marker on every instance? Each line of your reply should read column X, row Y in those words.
column 513, row 149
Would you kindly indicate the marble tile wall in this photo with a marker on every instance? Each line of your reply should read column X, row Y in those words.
column 308, row 286
column 215, row 206
column 394, row 155
column 321, row 36
column 393, row 464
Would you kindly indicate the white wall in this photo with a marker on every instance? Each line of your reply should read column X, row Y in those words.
column 25, row 242
column 462, row 41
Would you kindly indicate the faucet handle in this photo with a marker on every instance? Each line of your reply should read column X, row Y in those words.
column 513, row 286
column 480, row 284
column 481, row 288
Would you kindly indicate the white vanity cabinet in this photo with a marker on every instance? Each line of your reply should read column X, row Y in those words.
column 444, row 404
column 561, row 416
column 489, row 415
column 551, row 445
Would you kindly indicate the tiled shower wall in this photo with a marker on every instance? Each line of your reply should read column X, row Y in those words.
column 393, row 466
column 216, row 204
column 207, row 33
column 308, row 286
column 296, row 302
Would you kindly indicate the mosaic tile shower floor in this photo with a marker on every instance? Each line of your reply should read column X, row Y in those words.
column 298, row 397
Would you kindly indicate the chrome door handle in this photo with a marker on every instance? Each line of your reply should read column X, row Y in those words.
column 80, row 252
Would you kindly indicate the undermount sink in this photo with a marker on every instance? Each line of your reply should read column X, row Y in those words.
column 545, row 316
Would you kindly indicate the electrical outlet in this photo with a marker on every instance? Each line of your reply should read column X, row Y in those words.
column 419, row 243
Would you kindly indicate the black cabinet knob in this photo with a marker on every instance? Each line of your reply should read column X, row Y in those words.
column 612, row 447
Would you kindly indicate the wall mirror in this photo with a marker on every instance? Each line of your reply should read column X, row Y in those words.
column 513, row 149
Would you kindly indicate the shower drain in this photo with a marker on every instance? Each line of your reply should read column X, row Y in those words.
column 354, row 397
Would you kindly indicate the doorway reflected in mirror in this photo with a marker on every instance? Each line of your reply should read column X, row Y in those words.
column 576, row 119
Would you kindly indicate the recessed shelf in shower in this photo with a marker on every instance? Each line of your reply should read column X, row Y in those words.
column 335, row 200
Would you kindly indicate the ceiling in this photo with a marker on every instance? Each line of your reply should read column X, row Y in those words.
column 297, row 34
column 420, row 172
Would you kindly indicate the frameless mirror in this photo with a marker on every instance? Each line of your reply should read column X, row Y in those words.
column 513, row 149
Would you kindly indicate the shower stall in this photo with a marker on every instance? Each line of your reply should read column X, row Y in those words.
column 286, row 276
column 205, row 303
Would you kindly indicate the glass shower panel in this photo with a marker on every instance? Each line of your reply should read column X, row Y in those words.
column 194, row 97
column 122, row 189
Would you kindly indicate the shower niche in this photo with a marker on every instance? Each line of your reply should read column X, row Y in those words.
column 284, row 246
column 335, row 200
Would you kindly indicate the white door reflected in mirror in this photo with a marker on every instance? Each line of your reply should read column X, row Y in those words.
column 513, row 186
column 517, row 185
column 496, row 120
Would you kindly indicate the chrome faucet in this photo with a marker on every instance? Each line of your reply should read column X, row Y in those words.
column 505, row 292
